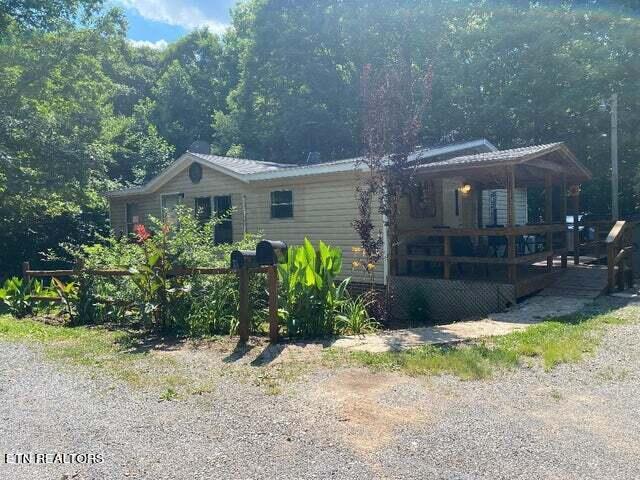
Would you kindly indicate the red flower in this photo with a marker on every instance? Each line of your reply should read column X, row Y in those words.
column 142, row 233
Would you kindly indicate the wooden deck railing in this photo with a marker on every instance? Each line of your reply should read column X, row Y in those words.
column 544, row 236
column 596, row 245
column 619, row 244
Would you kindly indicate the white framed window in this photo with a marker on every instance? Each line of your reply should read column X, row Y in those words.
column 282, row 204
column 169, row 203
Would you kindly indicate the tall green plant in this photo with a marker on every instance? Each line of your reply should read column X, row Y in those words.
column 310, row 296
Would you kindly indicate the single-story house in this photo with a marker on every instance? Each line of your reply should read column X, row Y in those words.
column 470, row 210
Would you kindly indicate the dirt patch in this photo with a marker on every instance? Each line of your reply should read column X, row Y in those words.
column 367, row 422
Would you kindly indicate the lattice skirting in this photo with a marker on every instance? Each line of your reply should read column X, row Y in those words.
column 448, row 300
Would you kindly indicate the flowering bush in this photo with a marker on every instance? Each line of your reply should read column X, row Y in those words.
column 196, row 304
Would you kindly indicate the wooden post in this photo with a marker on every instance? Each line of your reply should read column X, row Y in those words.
column 611, row 254
column 25, row 271
column 79, row 266
column 447, row 254
column 621, row 274
column 512, row 269
column 575, row 207
column 243, row 307
column 511, row 255
column 630, row 255
column 272, row 280
column 548, row 215
column 563, row 212
column 511, row 207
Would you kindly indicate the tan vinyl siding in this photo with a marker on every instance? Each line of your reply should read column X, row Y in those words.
column 324, row 208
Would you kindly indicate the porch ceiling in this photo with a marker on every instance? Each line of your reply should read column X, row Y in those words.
column 531, row 164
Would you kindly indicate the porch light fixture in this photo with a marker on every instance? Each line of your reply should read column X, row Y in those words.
column 466, row 188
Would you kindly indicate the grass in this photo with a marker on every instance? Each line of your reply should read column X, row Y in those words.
column 117, row 354
column 95, row 348
column 550, row 343
column 556, row 341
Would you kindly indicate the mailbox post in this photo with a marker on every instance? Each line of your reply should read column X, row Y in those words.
column 268, row 253
column 241, row 261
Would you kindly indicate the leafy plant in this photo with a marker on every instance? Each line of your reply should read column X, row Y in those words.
column 354, row 319
column 310, row 296
column 151, row 277
column 16, row 295
column 69, row 294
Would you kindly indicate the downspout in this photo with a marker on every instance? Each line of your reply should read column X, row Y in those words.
column 244, row 215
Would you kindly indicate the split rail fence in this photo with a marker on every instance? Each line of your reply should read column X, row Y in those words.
column 243, row 274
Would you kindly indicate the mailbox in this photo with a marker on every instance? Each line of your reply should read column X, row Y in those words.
column 269, row 252
column 243, row 259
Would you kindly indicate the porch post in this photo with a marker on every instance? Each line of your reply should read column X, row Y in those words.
column 511, row 221
column 575, row 207
column 563, row 213
column 548, row 215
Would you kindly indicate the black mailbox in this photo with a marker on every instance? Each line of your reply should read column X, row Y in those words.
column 243, row 259
column 269, row 252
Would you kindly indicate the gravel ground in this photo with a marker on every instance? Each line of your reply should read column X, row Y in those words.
column 577, row 421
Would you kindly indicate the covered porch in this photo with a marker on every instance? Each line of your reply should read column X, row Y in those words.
column 497, row 218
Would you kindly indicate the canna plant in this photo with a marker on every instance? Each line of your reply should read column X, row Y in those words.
column 310, row 296
column 16, row 294
column 151, row 276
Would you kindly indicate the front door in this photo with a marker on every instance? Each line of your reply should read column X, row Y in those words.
column 451, row 203
column 223, row 232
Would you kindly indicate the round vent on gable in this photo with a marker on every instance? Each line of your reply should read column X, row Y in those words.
column 195, row 172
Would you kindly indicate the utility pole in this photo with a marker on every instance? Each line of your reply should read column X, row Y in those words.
column 615, row 211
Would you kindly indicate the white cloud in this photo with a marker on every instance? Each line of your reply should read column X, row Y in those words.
column 158, row 45
column 174, row 12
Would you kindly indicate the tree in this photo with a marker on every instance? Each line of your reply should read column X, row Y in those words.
column 192, row 84
column 44, row 14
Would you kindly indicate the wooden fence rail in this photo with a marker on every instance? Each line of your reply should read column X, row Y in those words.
column 242, row 273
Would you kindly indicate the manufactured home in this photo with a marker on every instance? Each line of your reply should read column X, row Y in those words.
column 472, row 231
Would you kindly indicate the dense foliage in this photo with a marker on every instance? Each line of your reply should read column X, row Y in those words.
column 83, row 111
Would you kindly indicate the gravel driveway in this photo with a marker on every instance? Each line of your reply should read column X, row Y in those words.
column 577, row 421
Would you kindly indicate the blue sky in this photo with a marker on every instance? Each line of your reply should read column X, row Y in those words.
column 158, row 22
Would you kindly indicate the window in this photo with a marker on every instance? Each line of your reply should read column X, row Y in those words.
column 169, row 204
column 133, row 216
column 282, row 204
column 223, row 231
column 203, row 209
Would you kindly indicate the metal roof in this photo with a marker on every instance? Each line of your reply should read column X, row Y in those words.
column 510, row 156
column 253, row 170
column 241, row 166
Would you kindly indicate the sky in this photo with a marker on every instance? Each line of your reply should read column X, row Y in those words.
column 158, row 22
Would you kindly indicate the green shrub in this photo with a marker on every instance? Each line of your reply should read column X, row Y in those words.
column 197, row 305
column 417, row 306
